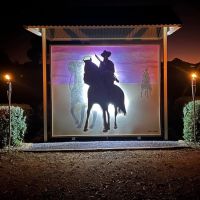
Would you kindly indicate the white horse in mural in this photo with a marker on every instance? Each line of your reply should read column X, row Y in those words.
column 76, row 93
column 76, row 87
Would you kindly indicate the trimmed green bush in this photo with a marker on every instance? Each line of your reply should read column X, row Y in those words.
column 28, row 112
column 18, row 125
column 188, row 125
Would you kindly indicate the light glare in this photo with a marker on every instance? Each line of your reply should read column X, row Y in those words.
column 7, row 77
column 194, row 76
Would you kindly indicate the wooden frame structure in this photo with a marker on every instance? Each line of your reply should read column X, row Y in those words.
column 84, row 29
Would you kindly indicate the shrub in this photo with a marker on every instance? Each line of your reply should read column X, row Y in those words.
column 28, row 112
column 176, row 117
column 18, row 125
column 188, row 123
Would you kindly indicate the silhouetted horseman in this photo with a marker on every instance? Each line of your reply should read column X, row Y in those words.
column 101, row 93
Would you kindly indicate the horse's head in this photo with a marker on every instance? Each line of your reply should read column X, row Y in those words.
column 87, row 58
column 88, row 62
column 91, row 72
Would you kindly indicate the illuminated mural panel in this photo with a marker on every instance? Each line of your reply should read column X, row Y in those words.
column 121, row 81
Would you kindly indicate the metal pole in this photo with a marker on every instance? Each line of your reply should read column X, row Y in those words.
column 194, row 107
column 9, row 93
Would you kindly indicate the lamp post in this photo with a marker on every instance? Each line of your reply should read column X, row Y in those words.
column 9, row 93
column 194, row 77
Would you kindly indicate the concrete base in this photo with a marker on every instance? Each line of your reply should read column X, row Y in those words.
column 100, row 145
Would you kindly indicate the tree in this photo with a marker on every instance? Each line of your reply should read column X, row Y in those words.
column 35, row 52
column 4, row 59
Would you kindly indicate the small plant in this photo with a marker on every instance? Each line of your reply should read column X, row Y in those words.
column 18, row 125
column 188, row 121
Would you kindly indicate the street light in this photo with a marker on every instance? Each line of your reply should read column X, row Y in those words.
column 194, row 77
column 8, row 79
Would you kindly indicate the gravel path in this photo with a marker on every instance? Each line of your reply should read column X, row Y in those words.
column 116, row 175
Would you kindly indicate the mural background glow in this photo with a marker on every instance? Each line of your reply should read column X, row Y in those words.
column 136, row 67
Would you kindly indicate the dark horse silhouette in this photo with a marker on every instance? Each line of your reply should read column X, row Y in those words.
column 99, row 93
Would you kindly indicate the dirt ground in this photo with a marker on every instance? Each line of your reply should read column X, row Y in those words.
column 117, row 175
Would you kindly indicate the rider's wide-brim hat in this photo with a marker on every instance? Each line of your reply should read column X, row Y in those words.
column 106, row 53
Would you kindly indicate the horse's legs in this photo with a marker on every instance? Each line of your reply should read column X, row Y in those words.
column 108, row 124
column 88, row 114
column 82, row 116
column 73, row 114
column 115, row 125
column 104, row 121
column 94, row 117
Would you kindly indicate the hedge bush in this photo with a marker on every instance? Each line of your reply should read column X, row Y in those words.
column 188, row 125
column 28, row 112
column 18, row 125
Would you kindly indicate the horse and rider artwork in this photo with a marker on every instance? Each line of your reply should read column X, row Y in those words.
column 102, row 89
column 105, row 90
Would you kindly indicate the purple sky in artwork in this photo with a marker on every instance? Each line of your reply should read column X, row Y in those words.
column 130, row 61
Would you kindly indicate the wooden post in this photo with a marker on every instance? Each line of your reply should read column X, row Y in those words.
column 165, row 83
column 44, row 66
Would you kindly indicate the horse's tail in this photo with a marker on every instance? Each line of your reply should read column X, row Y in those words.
column 122, row 110
column 121, row 106
column 118, row 99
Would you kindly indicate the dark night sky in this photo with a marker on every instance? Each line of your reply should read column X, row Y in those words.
column 184, row 44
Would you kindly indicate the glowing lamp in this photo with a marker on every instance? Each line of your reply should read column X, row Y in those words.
column 194, row 76
column 7, row 77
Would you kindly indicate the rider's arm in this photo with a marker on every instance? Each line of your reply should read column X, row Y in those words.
column 98, row 58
